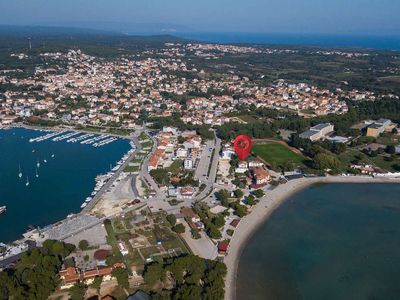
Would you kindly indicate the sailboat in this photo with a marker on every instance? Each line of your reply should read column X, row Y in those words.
column 27, row 181
column 37, row 174
column 52, row 156
column 19, row 171
column 37, row 163
column 45, row 161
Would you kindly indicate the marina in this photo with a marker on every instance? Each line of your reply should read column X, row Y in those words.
column 74, row 137
column 38, row 197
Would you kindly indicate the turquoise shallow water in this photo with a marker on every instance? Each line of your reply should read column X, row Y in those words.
column 336, row 241
column 63, row 184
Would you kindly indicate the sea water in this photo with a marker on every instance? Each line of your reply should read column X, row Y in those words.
column 329, row 241
column 63, row 183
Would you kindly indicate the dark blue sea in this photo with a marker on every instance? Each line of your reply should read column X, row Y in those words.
column 331, row 242
column 63, row 183
column 385, row 42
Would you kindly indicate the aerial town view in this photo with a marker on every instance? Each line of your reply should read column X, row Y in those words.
column 187, row 151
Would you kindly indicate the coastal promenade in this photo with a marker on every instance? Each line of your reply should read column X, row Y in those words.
column 110, row 182
column 267, row 205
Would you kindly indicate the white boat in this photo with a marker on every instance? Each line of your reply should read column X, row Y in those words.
column 52, row 156
column 19, row 171
column 88, row 199
column 45, row 161
column 37, row 174
column 83, row 205
column 3, row 209
column 27, row 181
column 38, row 164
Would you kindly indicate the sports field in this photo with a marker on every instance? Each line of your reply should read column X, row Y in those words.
column 277, row 154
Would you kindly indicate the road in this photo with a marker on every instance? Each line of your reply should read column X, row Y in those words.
column 110, row 182
column 204, row 162
column 209, row 181
column 160, row 198
column 144, row 173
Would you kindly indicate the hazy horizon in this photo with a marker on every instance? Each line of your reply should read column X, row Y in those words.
column 359, row 17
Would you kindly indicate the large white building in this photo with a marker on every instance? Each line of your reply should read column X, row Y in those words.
column 318, row 132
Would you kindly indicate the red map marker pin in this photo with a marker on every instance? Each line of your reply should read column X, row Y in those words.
column 242, row 145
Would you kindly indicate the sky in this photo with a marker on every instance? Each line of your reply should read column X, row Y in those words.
column 370, row 17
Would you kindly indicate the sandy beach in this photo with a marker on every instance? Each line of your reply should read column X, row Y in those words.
column 265, row 208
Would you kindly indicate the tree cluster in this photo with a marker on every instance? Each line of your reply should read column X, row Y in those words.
column 191, row 278
column 35, row 275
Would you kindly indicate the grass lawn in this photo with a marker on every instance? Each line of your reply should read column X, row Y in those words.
column 143, row 136
column 174, row 202
column 131, row 169
column 380, row 161
column 175, row 244
column 388, row 140
column 149, row 251
column 147, row 144
column 277, row 154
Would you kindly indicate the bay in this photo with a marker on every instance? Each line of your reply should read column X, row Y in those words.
column 328, row 241
column 63, row 183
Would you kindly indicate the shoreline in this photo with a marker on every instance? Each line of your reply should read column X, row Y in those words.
column 264, row 209
column 80, row 211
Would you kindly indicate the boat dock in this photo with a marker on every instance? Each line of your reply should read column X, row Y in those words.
column 96, row 140
column 106, row 181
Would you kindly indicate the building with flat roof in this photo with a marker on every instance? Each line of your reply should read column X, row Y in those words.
column 378, row 127
column 317, row 132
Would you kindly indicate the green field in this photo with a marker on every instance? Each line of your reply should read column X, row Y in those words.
column 277, row 154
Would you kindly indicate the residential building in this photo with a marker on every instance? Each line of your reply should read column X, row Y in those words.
column 261, row 176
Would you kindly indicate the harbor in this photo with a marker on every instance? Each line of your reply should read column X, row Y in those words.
column 96, row 140
column 40, row 198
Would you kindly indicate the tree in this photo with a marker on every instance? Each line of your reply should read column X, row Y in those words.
column 77, row 291
column 96, row 283
column 238, row 193
column 218, row 221
column 212, row 231
column 83, row 245
column 195, row 234
column 323, row 161
column 391, row 149
column 171, row 219
column 250, row 200
column 122, row 277
column 181, row 139
column 179, row 228
column 339, row 148
column 153, row 273
column 258, row 193
column 240, row 210
column 223, row 197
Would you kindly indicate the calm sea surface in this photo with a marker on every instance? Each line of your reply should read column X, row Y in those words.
column 387, row 42
column 336, row 241
column 63, row 183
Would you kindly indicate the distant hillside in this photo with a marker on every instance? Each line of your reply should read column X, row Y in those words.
column 95, row 42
